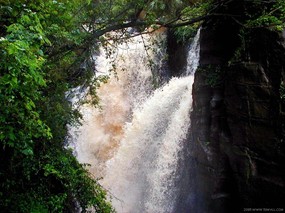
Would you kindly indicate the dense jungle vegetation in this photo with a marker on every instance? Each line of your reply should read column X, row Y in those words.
column 45, row 50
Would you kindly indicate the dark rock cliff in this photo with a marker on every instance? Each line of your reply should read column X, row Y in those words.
column 237, row 148
column 177, row 55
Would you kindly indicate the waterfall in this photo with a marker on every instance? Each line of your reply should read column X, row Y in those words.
column 130, row 83
column 193, row 55
column 136, row 140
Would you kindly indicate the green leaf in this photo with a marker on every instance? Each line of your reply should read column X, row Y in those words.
column 27, row 151
column 30, row 105
column 14, row 81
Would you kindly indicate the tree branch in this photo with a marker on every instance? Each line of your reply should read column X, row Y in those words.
column 192, row 21
column 99, row 33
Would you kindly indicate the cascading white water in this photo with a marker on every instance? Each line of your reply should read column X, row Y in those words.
column 129, row 85
column 135, row 141
column 142, row 172
column 193, row 55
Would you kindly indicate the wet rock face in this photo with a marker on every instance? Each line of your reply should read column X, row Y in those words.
column 177, row 55
column 238, row 147
column 255, row 150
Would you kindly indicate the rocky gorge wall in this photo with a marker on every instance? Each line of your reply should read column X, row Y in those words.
column 237, row 149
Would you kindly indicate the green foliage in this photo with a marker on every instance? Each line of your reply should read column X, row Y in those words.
column 20, row 84
column 257, row 14
column 198, row 9
column 166, row 9
column 269, row 14
column 42, row 45
column 213, row 75
column 241, row 52
column 185, row 33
